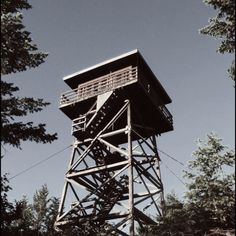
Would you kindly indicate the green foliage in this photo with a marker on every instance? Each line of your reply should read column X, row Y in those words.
column 13, row 107
column 211, row 188
column 175, row 221
column 39, row 209
column 51, row 216
column 222, row 27
column 176, row 215
column 23, row 218
column 9, row 212
column 18, row 53
column 24, row 224
column 209, row 206
column 231, row 70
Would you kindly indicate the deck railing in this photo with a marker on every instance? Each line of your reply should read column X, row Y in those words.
column 81, row 122
column 100, row 85
column 166, row 113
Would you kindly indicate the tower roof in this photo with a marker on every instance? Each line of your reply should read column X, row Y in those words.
column 133, row 58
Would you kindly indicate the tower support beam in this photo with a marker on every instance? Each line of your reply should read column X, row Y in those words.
column 130, row 158
column 109, row 186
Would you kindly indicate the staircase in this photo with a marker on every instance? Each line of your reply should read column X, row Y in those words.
column 88, row 125
column 112, row 189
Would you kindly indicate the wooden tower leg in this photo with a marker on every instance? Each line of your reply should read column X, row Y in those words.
column 130, row 158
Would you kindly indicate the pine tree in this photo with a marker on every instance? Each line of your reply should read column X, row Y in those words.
column 51, row 216
column 222, row 27
column 211, row 192
column 10, row 212
column 209, row 204
column 40, row 208
column 18, row 53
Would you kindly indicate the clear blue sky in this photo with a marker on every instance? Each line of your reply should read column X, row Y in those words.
column 80, row 33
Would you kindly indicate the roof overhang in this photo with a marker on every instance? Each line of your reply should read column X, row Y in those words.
column 133, row 58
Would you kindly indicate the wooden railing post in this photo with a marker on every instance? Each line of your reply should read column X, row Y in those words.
column 100, row 85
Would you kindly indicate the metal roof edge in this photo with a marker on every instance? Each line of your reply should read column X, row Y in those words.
column 100, row 64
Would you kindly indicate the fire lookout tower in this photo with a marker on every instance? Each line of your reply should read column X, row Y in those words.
column 117, row 110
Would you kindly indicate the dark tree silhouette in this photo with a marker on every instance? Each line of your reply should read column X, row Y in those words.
column 18, row 53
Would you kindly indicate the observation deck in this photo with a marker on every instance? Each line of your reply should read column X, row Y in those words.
column 98, row 92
